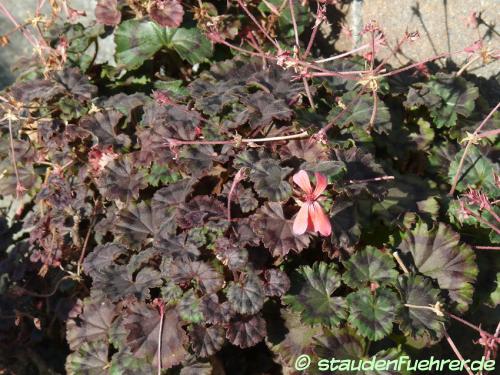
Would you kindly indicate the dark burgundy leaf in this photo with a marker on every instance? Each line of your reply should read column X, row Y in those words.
column 231, row 254
column 92, row 324
column 200, row 210
column 206, row 341
column 143, row 324
column 117, row 283
column 246, row 331
column 138, row 222
column 167, row 13
column 261, row 109
column 173, row 194
column 244, row 197
column 120, row 180
column 276, row 232
column 29, row 91
column 76, row 83
column 176, row 246
column 279, row 82
column 276, row 283
column 126, row 104
column 102, row 257
column 361, row 166
column 305, row 149
column 107, row 13
column 204, row 275
column 214, row 311
column 104, row 126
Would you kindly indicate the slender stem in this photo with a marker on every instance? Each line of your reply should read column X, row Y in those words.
column 383, row 178
column 456, row 351
column 85, row 242
column 308, row 93
column 487, row 247
column 469, row 143
column 240, row 175
column 13, row 155
column 251, row 16
column 488, row 133
column 485, row 222
column 160, row 332
column 319, row 21
column 242, row 50
column 235, row 141
column 493, row 213
column 393, row 53
column 372, row 47
column 418, row 307
column 294, row 23
column 393, row 72
column 371, row 124
column 402, row 265
column 346, row 75
column 469, row 63
column 27, row 34
column 470, row 325
column 45, row 295
column 351, row 52
column 341, row 113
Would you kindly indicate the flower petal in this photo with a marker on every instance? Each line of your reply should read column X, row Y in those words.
column 301, row 178
column 321, row 182
column 301, row 221
column 320, row 220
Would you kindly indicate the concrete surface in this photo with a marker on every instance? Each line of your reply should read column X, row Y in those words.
column 18, row 46
column 441, row 24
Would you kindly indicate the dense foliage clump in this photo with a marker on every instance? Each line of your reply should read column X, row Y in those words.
column 149, row 196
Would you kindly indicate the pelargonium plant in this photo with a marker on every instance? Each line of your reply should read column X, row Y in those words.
column 217, row 193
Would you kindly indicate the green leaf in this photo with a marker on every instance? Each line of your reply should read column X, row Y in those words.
column 90, row 359
column 372, row 313
column 367, row 266
column 477, row 171
column 494, row 299
column 161, row 174
column 190, row 44
column 189, row 308
column 311, row 294
column 137, row 41
column 285, row 23
column 361, row 112
column 438, row 254
column 457, row 97
column 125, row 363
column 417, row 290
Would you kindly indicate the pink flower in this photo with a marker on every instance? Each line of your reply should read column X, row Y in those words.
column 311, row 217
